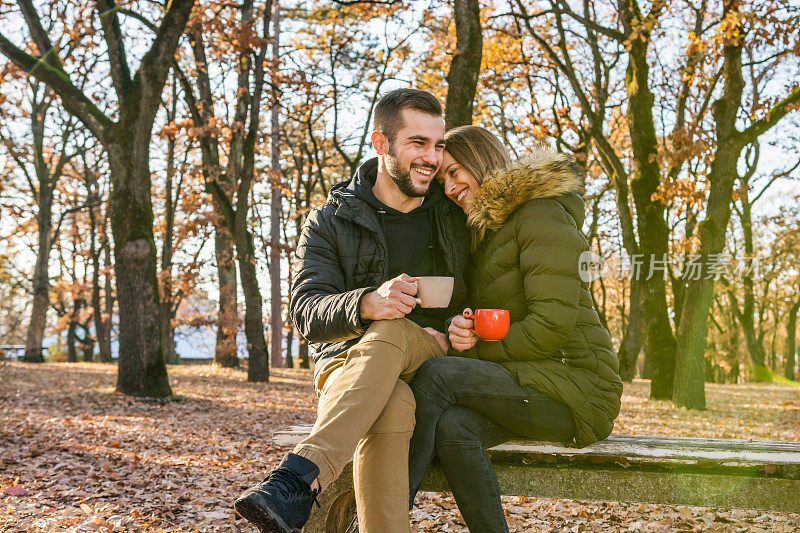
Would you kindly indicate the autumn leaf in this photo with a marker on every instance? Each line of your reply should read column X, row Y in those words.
column 16, row 490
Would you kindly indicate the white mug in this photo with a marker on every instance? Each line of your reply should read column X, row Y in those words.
column 434, row 291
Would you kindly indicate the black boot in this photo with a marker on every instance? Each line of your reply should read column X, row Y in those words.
column 282, row 502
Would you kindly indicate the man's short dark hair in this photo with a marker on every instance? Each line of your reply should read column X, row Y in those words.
column 388, row 117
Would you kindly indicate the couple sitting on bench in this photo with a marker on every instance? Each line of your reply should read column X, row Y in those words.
column 436, row 204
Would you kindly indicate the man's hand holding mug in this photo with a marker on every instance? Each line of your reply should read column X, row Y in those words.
column 394, row 299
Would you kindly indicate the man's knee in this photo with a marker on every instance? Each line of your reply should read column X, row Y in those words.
column 458, row 425
column 396, row 342
column 398, row 414
column 382, row 339
column 388, row 330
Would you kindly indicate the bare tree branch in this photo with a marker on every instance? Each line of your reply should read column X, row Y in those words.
column 73, row 100
column 562, row 7
column 159, row 59
column 120, row 71
column 258, row 88
column 20, row 163
column 777, row 112
column 88, row 204
column 775, row 177
column 138, row 16
column 39, row 35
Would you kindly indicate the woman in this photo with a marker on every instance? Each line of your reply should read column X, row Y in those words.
column 555, row 375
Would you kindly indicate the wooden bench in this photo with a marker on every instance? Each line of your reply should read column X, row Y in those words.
column 673, row 470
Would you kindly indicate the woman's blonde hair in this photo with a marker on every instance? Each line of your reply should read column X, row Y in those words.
column 477, row 149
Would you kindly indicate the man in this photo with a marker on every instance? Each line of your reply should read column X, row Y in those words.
column 354, row 300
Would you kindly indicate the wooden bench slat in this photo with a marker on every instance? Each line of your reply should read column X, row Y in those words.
column 664, row 450
column 639, row 446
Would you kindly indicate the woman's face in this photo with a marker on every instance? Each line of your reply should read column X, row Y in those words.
column 459, row 185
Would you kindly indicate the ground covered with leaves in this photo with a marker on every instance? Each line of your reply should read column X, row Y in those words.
column 77, row 456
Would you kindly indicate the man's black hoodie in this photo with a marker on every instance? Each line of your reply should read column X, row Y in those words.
column 410, row 237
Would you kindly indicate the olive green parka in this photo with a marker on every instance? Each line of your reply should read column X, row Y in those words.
column 527, row 245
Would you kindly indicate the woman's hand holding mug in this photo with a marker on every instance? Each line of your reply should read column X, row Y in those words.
column 460, row 332
column 490, row 324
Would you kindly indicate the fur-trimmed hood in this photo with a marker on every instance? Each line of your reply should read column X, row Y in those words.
column 541, row 174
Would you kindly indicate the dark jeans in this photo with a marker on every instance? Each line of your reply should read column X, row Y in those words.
column 465, row 406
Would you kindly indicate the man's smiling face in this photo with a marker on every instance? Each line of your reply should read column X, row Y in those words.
column 416, row 153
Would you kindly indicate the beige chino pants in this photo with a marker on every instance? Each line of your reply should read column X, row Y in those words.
column 366, row 413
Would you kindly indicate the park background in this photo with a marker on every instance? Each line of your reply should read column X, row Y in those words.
column 158, row 160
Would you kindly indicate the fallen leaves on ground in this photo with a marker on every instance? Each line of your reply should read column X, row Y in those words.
column 77, row 456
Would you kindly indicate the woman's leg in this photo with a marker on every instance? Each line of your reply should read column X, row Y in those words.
column 462, row 436
column 491, row 391
column 437, row 386
column 487, row 388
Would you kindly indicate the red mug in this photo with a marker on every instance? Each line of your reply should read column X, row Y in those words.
column 490, row 324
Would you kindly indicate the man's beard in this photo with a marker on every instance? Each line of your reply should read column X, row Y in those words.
column 402, row 177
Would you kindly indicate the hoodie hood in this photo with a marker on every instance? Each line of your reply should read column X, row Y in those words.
column 360, row 184
column 541, row 174
column 363, row 178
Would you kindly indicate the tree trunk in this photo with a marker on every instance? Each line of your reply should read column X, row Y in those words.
column 226, row 352
column 87, row 346
column 693, row 328
column 747, row 315
column 226, row 349
column 97, row 311
column 100, row 326
column 301, row 206
column 773, row 352
column 142, row 371
column 462, row 80
column 171, row 357
column 104, row 325
column 287, row 360
column 242, row 165
column 167, row 292
column 631, row 345
column 44, row 200
column 72, row 354
column 127, row 143
column 276, row 315
column 659, row 341
column 723, row 173
column 689, row 390
column 41, row 282
column 303, row 353
column 236, row 182
column 258, row 363
column 791, row 342
column 754, row 347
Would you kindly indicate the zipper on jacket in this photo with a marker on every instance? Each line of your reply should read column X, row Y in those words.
column 385, row 269
column 433, row 235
